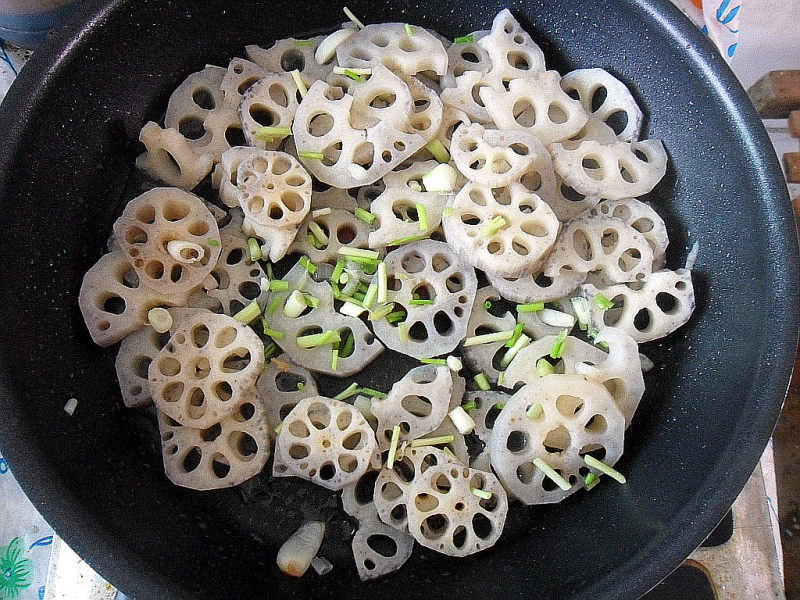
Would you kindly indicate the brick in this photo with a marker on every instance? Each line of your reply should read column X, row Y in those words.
column 776, row 94
column 791, row 163
column 794, row 123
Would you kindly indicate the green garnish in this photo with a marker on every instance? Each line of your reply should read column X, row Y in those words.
column 464, row 39
column 433, row 361
column 402, row 329
column 591, row 482
column 358, row 253
column 420, row 302
column 308, row 265
column 370, row 295
column 267, row 134
column 213, row 243
column 254, row 249
column 335, row 359
column 365, row 215
column 318, row 339
column 487, row 305
column 273, row 306
column 249, row 313
column 439, row 152
column 367, row 262
column 471, row 405
column 488, row 338
column 300, row 385
column 351, row 390
column 482, row 382
column 558, row 347
column 311, row 301
column 380, row 312
column 544, row 368
column 523, row 341
column 347, row 346
column 592, row 462
column 517, row 333
column 535, row 411
column 352, row 75
column 482, row 494
column 581, row 308
column 422, row 213
column 393, row 447
column 302, row 43
column 602, row 302
column 310, row 155
column 432, row 441
column 318, row 233
column 270, row 350
column 552, row 474
column 382, row 282
column 279, row 428
column 493, row 226
column 530, row 307
column 447, row 211
column 409, row 31
column 374, row 393
column 449, row 453
column 409, row 239
column 337, row 272
column 394, row 317
column 301, row 86
column 501, row 378
column 313, row 241
column 274, row 333
column 278, row 285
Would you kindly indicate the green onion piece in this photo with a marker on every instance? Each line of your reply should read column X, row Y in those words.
column 365, row 215
column 279, row 428
column 301, row 86
column 347, row 346
column 318, row 339
column 602, row 302
column 270, row 350
column 447, row 211
column 351, row 390
column 352, row 17
column 348, row 252
column 352, row 75
column 308, row 265
column 488, row 338
column 464, row 39
column 313, row 241
column 523, row 341
column 362, row 287
column 254, row 249
column 487, row 305
column 341, row 70
column 454, row 364
column 302, row 43
column 499, row 405
column 278, row 285
column 449, row 453
column 552, row 474
column 493, row 226
column 517, row 333
column 317, row 232
column 402, row 329
column 432, row 441
column 270, row 274
column 581, row 308
column 558, row 347
column 393, row 447
column 482, row 382
column 274, row 333
column 367, row 262
column 295, row 305
column 311, row 301
column 482, row 494
column 592, row 462
column 544, row 368
column 530, row 307
column 382, row 282
column 439, row 152
column 422, row 213
column 409, row 31
column 420, row 302
column 501, row 378
column 337, row 272
column 267, row 134
column 371, row 294
column 394, row 317
column 213, row 243
column 335, row 360
column 374, row 393
column 381, row 312
column 248, row 313
column 409, row 239
column 273, row 306
column 471, row 405
column 603, row 345
column 433, row 361
column 535, row 411
column 591, row 482
column 310, row 155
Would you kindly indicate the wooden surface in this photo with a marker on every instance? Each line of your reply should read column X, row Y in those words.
column 776, row 94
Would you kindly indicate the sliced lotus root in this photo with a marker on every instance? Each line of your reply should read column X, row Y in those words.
column 316, row 320
column 241, row 74
column 392, row 485
column 136, row 352
column 452, row 118
column 458, row 447
column 237, row 278
column 578, row 417
column 207, row 369
column 225, row 130
column 616, row 252
column 429, row 270
column 479, row 358
column 224, row 175
column 535, row 328
column 287, row 55
column 536, row 287
column 512, row 51
column 269, row 102
column 222, row 455
column 537, row 105
column 643, row 219
column 191, row 102
column 114, row 302
column 389, row 44
column 607, row 98
column 464, row 96
column 522, row 369
column 650, row 309
column 170, row 159
column 444, row 514
column 596, row 130
column 351, row 156
column 521, row 241
column 417, row 403
column 383, row 96
column 468, row 56
column 333, row 198
column 281, row 386
column 342, row 229
column 154, row 219
column 374, row 539
column 274, row 189
column 611, row 171
column 327, row 442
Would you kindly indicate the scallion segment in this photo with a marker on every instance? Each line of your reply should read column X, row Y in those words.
column 493, row 226
column 273, row 333
column 396, row 316
column 302, row 43
column 442, row 179
column 556, row 318
column 364, row 215
column 311, row 301
column 160, row 319
column 482, row 494
column 517, row 333
column 439, row 152
column 530, row 307
column 454, row 364
column 408, row 240
column 352, row 17
column 249, row 313
column 343, row 70
column 267, row 134
column 347, row 346
column 383, row 289
column 420, row 302
column 482, row 382
column 558, row 346
column 462, row 421
column 380, row 312
column 374, row 393
column 422, row 213
column 590, row 482
column 535, row 411
column 352, row 75
column 523, row 341
column 295, row 305
column 409, row 31
column 544, row 368
column 602, row 302
column 318, row 339
column 309, row 266
column 370, row 295
column 488, row 338
column 581, row 308
column 350, row 390
column 432, row 441
column 501, row 378
column 349, row 252
column 499, row 405
column 393, row 447
column 298, row 80
column 335, row 359
column 310, row 155
column 279, row 428
column 552, row 474
column 447, row 211
column 433, row 361
column 592, row 462
column 213, row 243
column 278, row 285
column 471, row 405
column 318, row 233
column 464, row 39
column 273, row 306
column 270, row 350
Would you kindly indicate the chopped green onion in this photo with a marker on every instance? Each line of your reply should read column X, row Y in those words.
column 348, row 252
column 352, row 75
column 420, row 302
column 402, row 329
column 160, row 319
column 433, row 361
column 308, row 265
column 267, row 134
column 493, row 226
column 382, row 282
column 393, row 447
column 439, row 152
column 304, row 43
column 523, row 341
column 321, row 212
column 482, row 494
column 556, row 318
column 454, row 364
column 213, row 243
column 488, row 338
column 442, row 178
column 351, row 309
column 353, row 18
column 335, row 360
column 592, row 462
column 487, row 305
column 301, row 86
column 279, row 428
column 342, row 70
column 499, row 405
column 317, row 232
column 311, row 301
column 432, row 441
column 274, row 333
column 544, row 368
column 310, row 155
column 501, row 378
column 409, row 31
column 300, row 385
column 295, row 305
column 535, row 411
column 462, row 421
column 369, row 297
column 409, row 239
column 482, row 382
column 558, row 347
column 530, row 307
column 517, row 333
column 278, row 285
column 380, row 312
column 351, row 390
column 449, row 453
column 591, row 482
column 318, row 339
column 365, row 215
column 447, row 211
column 248, row 313
column 347, row 346
column 471, row 405
column 337, row 272
column 366, row 262
column 374, row 393
column 273, row 306
column 581, row 308
column 422, row 213
column 313, row 241
column 602, row 302
column 552, row 474
column 603, row 345
column 464, row 39
column 270, row 274
column 394, row 317
column 270, row 350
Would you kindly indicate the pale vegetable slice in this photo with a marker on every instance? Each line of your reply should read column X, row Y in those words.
column 467, row 56
column 319, row 319
column 506, row 232
column 191, row 102
column 224, row 126
column 537, row 105
column 207, row 369
column 534, row 325
column 156, row 217
column 616, row 101
column 603, row 246
column 643, row 219
column 241, row 74
column 464, row 96
column 647, row 310
column 445, row 514
column 577, row 417
column 327, row 442
column 297, row 553
column 488, row 407
column 431, row 269
column 418, row 403
column 333, row 198
column 381, row 97
column 135, row 354
column 479, row 358
column 326, row 50
column 536, row 287
column 114, row 302
column 389, row 44
column 224, row 175
column 596, row 130
column 512, row 51
column 280, row 390
column 170, row 159
column 269, row 102
column 342, row 229
column 287, row 55
column 611, row 171
column 426, row 118
column 452, row 118
column 223, row 455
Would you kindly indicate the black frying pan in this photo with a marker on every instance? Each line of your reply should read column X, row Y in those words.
column 69, row 127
